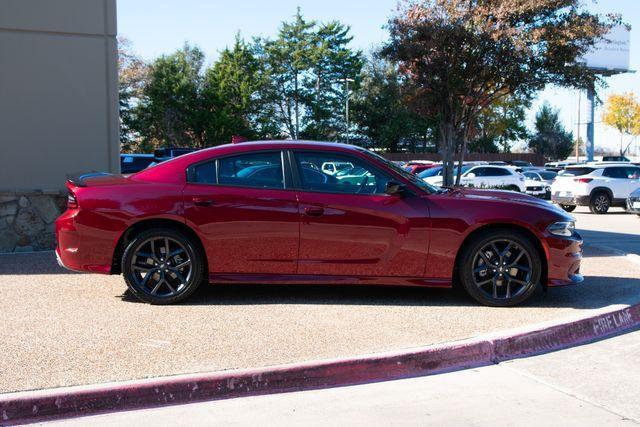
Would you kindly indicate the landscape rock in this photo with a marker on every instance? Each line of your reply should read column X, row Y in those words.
column 7, row 198
column 46, row 208
column 10, row 208
column 28, row 223
column 23, row 202
column 8, row 240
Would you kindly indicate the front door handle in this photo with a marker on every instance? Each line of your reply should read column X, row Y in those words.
column 313, row 211
column 202, row 201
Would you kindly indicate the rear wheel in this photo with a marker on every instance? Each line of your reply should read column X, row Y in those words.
column 163, row 266
column 568, row 208
column 599, row 203
column 513, row 188
column 500, row 268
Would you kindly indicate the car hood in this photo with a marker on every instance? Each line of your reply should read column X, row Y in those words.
column 636, row 193
column 504, row 196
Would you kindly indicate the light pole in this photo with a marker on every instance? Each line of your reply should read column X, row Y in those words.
column 347, row 81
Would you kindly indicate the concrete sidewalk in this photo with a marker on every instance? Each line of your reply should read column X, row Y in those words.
column 595, row 384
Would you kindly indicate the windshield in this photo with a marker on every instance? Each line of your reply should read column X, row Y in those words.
column 413, row 178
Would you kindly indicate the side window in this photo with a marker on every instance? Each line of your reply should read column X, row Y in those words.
column 479, row 171
column 205, row 173
column 633, row 173
column 615, row 173
column 350, row 175
column 496, row 172
column 258, row 170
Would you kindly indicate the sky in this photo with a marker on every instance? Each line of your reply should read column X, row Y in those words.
column 157, row 27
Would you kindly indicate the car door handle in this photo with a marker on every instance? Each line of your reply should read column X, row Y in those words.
column 314, row 211
column 202, row 201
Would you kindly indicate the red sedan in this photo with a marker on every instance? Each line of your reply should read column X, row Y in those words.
column 266, row 212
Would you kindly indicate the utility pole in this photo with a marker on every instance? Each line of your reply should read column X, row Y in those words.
column 346, row 107
column 578, row 140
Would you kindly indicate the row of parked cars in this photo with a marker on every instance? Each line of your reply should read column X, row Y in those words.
column 613, row 182
column 132, row 163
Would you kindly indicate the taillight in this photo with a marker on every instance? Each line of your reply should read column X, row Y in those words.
column 583, row 180
column 72, row 202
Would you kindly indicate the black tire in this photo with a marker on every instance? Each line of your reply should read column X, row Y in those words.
column 600, row 203
column 568, row 208
column 513, row 188
column 165, row 274
column 506, row 247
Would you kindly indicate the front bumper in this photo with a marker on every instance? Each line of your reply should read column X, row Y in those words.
column 541, row 194
column 564, row 258
column 630, row 202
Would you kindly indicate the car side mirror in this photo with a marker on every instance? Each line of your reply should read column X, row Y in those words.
column 470, row 175
column 394, row 188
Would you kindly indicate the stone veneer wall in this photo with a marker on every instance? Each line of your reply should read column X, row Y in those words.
column 27, row 220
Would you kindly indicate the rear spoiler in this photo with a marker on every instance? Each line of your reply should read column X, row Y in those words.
column 78, row 179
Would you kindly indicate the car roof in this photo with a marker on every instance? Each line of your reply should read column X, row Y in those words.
column 599, row 165
column 173, row 170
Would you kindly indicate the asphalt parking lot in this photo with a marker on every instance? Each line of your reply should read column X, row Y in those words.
column 61, row 328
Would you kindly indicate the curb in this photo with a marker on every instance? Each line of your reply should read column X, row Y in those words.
column 29, row 406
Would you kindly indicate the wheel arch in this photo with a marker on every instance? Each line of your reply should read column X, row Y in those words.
column 532, row 236
column 147, row 224
column 597, row 190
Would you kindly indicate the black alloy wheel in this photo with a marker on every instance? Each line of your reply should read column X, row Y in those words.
column 600, row 203
column 162, row 266
column 501, row 268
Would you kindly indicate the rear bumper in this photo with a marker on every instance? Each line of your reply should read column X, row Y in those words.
column 571, row 201
column 564, row 258
column 86, row 254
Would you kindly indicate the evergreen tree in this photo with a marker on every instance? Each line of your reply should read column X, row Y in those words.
column 550, row 138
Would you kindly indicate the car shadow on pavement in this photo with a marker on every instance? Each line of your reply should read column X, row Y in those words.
column 31, row 263
column 595, row 292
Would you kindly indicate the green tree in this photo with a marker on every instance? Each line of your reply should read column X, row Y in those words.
column 379, row 108
column 233, row 96
column 463, row 55
column 172, row 110
column 306, row 64
column 500, row 124
column 132, row 74
column 550, row 138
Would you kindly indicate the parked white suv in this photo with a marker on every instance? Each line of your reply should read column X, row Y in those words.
column 599, row 186
column 487, row 176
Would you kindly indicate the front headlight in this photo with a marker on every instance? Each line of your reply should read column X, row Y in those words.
column 562, row 228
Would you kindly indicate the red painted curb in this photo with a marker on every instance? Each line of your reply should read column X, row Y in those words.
column 39, row 405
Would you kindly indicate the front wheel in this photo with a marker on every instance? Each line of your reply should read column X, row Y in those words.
column 500, row 268
column 568, row 208
column 163, row 266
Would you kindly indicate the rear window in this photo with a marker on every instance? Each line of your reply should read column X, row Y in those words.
column 576, row 171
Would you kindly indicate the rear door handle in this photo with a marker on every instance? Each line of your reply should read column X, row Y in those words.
column 202, row 201
column 313, row 211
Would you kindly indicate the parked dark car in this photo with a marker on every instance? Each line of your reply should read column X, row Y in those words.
column 615, row 159
column 162, row 154
column 132, row 163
